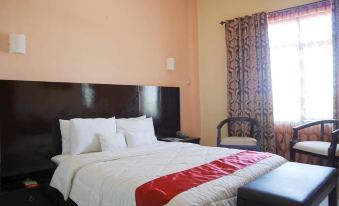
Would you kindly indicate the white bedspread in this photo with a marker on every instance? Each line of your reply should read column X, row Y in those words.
column 106, row 179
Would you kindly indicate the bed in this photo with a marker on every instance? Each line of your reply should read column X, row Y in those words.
column 111, row 178
column 30, row 136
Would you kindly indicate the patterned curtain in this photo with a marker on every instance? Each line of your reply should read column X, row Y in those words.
column 248, row 74
column 335, row 20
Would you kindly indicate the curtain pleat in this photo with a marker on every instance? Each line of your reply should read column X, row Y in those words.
column 248, row 74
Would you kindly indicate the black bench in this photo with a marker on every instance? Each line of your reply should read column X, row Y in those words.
column 292, row 184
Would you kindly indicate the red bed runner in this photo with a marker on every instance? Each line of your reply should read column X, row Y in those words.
column 161, row 190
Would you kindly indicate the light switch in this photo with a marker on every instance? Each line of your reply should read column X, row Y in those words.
column 170, row 64
column 17, row 44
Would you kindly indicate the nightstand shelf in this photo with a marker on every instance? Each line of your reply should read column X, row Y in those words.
column 31, row 197
column 13, row 192
column 195, row 140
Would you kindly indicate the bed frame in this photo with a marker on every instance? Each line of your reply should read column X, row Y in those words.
column 29, row 113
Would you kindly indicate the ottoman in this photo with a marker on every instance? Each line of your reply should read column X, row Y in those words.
column 292, row 184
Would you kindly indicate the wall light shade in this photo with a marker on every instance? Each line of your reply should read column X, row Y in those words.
column 17, row 44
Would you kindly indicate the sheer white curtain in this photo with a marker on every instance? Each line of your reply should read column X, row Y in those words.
column 302, row 71
column 301, row 64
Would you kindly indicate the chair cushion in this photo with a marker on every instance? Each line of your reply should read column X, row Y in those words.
column 316, row 147
column 238, row 141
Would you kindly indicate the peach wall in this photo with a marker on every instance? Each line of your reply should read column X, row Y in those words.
column 106, row 41
column 212, row 54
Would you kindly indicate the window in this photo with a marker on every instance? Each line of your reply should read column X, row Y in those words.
column 301, row 64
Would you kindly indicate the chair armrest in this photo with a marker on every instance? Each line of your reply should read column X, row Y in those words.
column 311, row 124
column 294, row 138
column 334, row 142
column 237, row 119
column 295, row 130
column 303, row 126
column 220, row 125
column 256, row 129
column 335, row 135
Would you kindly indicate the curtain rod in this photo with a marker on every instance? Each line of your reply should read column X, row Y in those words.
column 295, row 7
column 280, row 10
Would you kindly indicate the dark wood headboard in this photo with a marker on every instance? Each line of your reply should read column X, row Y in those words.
column 29, row 113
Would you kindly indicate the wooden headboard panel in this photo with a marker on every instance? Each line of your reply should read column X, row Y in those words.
column 29, row 113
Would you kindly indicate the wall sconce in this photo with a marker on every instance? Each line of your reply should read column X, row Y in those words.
column 17, row 44
column 170, row 63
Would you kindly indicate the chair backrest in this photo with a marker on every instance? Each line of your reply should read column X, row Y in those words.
column 253, row 124
column 322, row 124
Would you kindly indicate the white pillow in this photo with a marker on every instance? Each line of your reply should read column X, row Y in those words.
column 65, row 136
column 112, row 141
column 138, row 132
column 121, row 120
column 83, row 138
column 135, row 139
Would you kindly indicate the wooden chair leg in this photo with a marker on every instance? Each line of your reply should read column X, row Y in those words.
column 332, row 161
column 258, row 147
column 332, row 197
column 292, row 155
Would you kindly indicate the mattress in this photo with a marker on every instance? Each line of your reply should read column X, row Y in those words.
column 107, row 178
column 58, row 158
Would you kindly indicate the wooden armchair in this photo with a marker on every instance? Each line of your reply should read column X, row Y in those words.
column 322, row 149
column 250, row 142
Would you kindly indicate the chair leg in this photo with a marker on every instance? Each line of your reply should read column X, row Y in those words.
column 332, row 197
column 292, row 155
column 332, row 161
column 258, row 148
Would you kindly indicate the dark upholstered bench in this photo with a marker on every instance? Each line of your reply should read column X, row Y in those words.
column 292, row 184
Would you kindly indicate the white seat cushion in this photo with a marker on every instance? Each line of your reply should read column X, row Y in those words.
column 249, row 141
column 316, row 147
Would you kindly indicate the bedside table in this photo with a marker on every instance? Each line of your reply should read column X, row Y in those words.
column 13, row 192
column 195, row 140
column 31, row 197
